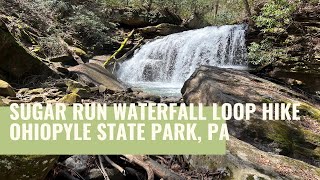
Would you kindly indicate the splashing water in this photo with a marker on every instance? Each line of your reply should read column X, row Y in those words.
column 170, row 60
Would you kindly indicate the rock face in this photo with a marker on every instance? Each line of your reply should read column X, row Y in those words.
column 96, row 74
column 295, row 139
column 15, row 61
column 6, row 89
column 26, row 167
column 141, row 18
column 247, row 162
column 196, row 22
column 160, row 30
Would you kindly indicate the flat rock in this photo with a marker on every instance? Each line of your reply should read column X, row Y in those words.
column 98, row 75
column 295, row 139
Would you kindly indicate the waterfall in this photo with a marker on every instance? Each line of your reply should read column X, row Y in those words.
column 173, row 58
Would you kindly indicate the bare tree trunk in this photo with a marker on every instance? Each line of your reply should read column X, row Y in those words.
column 247, row 7
column 248, row 11
column 216, row 8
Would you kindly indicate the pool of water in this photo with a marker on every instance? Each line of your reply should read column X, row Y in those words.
column 170, row 89
column 159, row 88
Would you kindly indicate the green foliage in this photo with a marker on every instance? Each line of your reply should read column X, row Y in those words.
column 264, row 53
column 51, row 46
column 275, row 17
column 276, row 14
column 89, row 27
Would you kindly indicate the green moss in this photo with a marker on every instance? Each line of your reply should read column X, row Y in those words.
column 74, row 85
column 70, row 98
column 294, row 141
column 79, row 51
column 312, row 137
column 266, row 100
column 311, row 110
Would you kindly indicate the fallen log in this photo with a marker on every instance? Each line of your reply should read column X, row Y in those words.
column 119, row 50
column 127, row 54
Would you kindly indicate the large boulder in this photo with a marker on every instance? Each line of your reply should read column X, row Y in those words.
column 244, row 161
column 16, row 61
column 296, row 139
column 97, row 75
column 26, row 167
column 196, row 21
column 141, row 18
column 160, row 30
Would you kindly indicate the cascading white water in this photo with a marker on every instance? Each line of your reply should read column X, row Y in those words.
column 169, row 61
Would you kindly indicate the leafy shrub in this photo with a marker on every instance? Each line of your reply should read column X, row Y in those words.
column 276, row 14
column 264, row 53
column 90, row 29
column 51, row 46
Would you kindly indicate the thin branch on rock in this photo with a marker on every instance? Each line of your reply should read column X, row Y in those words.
column 156, row 168
column 139, row 160
column 119, row 168
column 102, row 168
column 79, row 176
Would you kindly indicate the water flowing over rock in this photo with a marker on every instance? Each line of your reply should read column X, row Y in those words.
column 172, row 59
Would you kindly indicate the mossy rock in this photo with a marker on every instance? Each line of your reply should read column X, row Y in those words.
column 35, row 91
column 2, row 103
column 310, row 110
column 73, row 86
column 6, row 89
column 292, row 140
column 78, row 51
column 25, row 167
column 70, row 98
column 83, row 93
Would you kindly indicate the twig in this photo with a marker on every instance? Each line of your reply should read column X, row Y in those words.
column 123, row 172
column 60, row 164
column 103, row 171
column 139, row 161
column 153, row 168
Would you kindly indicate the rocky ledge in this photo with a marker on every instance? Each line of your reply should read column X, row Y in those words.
column 297, row 140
